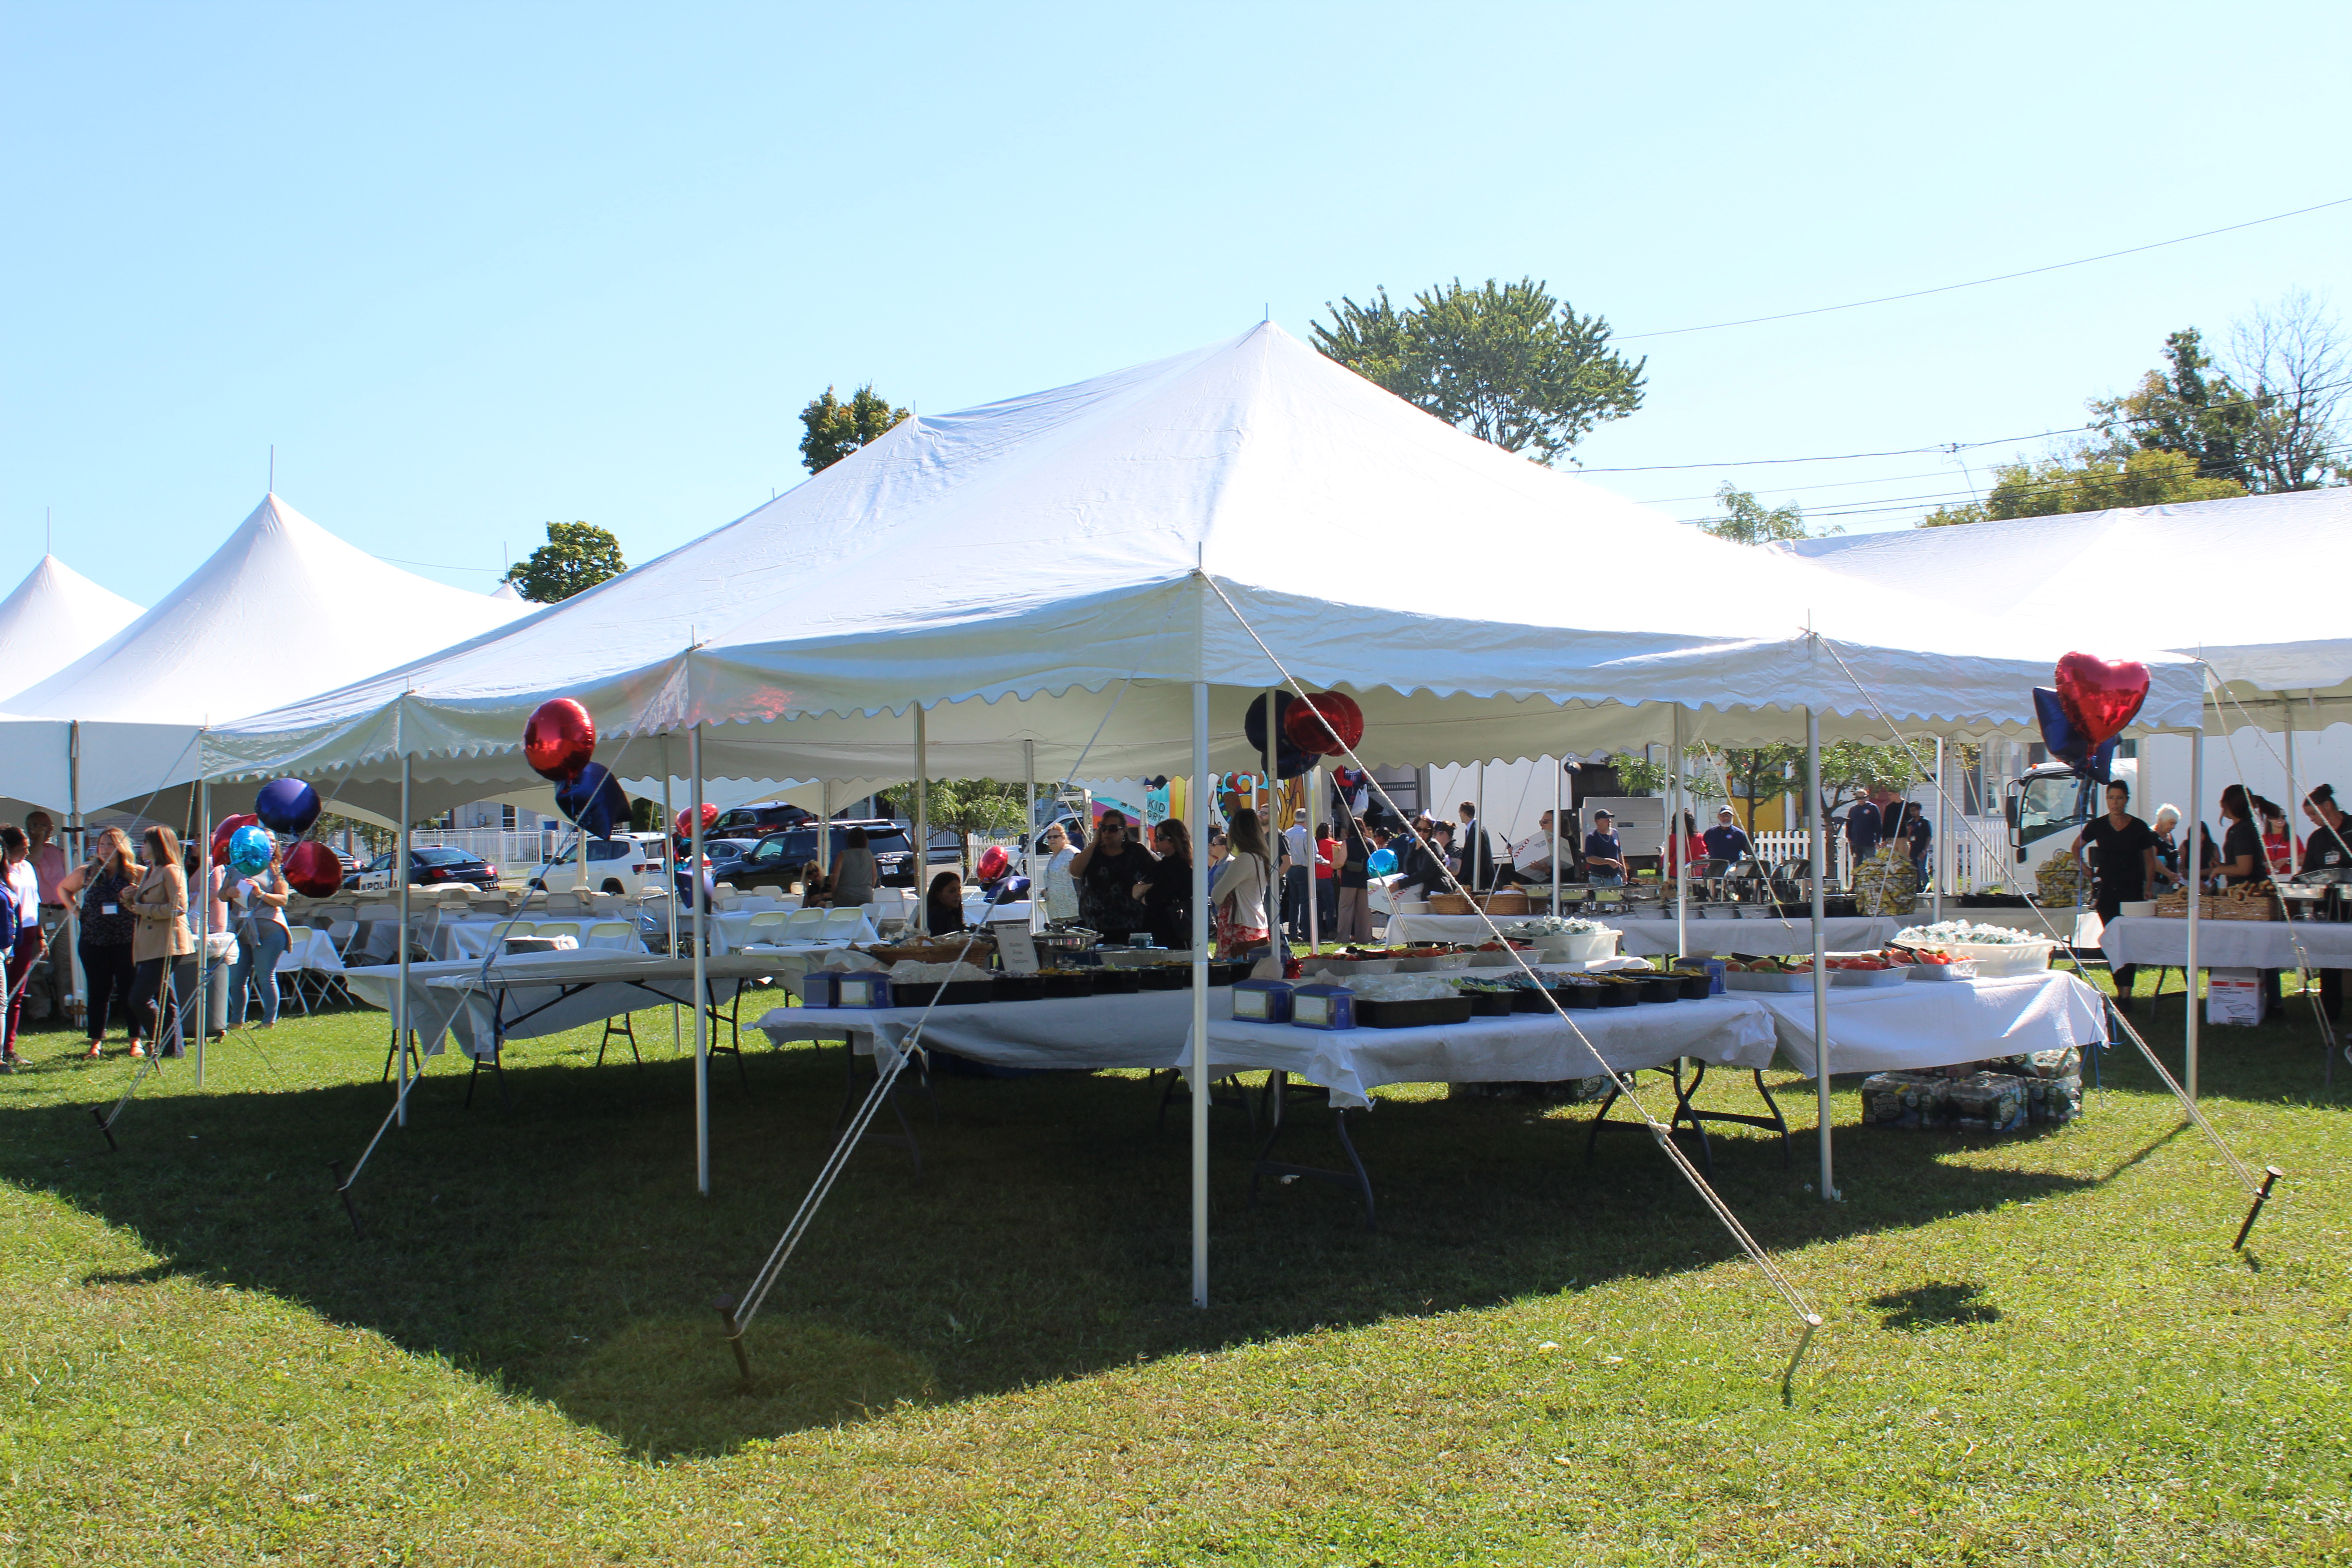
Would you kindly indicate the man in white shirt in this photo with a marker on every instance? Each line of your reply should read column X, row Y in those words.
column 1531, row 859
column 1301, row 846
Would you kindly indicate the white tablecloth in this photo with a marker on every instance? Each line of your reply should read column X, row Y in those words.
column 1848, row 935
column 1523, row 1047
column 448, row 998
column 2228, row 944
column 1923, row 1024
column 311, row 948
column 730, row 930
column 1145, row 1030
column 471, row 939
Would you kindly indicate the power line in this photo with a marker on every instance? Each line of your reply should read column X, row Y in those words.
column 1981, row 282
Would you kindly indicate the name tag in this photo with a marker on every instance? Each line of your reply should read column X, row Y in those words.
column 108, row 909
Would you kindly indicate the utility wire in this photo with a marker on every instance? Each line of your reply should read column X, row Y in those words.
column 1981, row 282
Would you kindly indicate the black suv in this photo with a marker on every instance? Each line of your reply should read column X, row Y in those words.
column 776, row 860
column 760, row 817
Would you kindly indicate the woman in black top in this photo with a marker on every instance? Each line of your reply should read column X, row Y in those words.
column 107, row 922
column 1108, row 872
column 2243, row 859
column 943, row 908
column 1165, row 888
column 1355, row 922
column 2123, row 857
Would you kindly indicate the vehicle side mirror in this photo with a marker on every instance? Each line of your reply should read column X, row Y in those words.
column 2009, row 808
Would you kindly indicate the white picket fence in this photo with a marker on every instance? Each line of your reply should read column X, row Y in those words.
column 508, row 851
column 1973, row 855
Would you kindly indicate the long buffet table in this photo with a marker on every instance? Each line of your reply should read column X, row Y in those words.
column 1645, row 936
column 2228, row 944
column 1927, row 1025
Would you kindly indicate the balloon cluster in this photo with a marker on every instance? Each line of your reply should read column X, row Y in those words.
column 283, row 811
column 558, row 741
column 2088, row 708
column 1327, row 724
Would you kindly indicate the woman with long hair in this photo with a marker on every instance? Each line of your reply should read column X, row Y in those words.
column 943, row 905
column 1238, row 912
column 1165, row 888
column 1061, row 888
column 102, row 885
column 854, row 872
column 161, row 903
column 2241, row 843
column 1355, row 878
column 813, row 891
column 2278, row 847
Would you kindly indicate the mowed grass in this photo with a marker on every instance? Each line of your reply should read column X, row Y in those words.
column 2038, row 1348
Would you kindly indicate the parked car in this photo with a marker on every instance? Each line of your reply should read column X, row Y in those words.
column 775, row 861
column 430, row 868
column 756, row 821
column 626, row 863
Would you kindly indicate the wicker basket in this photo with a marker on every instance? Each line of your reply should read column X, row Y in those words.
column 1448, row 904
column 1502, row 901
column 2246, row 901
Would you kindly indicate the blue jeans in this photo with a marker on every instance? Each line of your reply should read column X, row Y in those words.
column 1604, row 880
column 259, row 945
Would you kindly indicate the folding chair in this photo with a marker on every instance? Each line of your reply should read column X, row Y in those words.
column 803, row 925
column 767, row 926
column 620, row 936
column 840, row 925
column 559, row 928
column 287, row 977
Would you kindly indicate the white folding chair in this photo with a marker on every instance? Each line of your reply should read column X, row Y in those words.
column 767, row 926
column 804, row 923
column 842, row 924
column 618, row 934
column 559, row 928
column 287, row 978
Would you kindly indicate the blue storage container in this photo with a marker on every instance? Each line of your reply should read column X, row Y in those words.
column 1261, row 1001
column 871, row 989
column 1323, row 1007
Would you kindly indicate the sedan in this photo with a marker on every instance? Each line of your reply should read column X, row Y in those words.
column 432, row 867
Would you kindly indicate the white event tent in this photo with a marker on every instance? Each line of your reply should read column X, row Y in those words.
column 1011, row 589
column 54, row 616
column 282, row 610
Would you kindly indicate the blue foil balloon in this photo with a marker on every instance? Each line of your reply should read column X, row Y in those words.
column 287, row 805
column 250, row 850
column 2067, row 743
column 595, row 800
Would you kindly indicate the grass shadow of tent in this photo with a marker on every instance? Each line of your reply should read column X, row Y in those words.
column 560, row 1250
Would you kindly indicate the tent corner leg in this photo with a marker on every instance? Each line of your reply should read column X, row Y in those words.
column 2271, row 1173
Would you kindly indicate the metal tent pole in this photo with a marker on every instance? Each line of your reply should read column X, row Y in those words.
column 1314, row 882
column 2194, row 867
column 78, row 984
column 1680, row 859
column 922, row 862
column 1936, row 860
column 1558, row 823
column 205, row 922
column 670, row 858
column 1277, row 942
column 701, row 971
column 1820, row 847
column 400, row 868
column 1199, row 827
column 1029, row 830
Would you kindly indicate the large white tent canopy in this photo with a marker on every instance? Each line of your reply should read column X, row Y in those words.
column 281, row 610
column 1047, row 576
column 2142, row 577
column 54, row 616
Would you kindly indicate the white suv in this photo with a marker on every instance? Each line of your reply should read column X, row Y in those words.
column 627, row 863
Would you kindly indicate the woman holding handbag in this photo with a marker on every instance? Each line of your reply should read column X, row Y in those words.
column 161, row 903
column 262, row 939
column 1237, row 910
column 102, row 886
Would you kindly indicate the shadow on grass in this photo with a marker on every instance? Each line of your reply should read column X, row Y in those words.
column 561, row 1248
column 1936, row 1306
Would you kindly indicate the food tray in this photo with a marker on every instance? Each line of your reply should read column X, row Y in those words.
column 1340, row 964
column 1117, row 982
column 1869, row 977
column 1488, row 1003
column 1743, row 980
column 1062, row 987
column 1660, row 988
column 1229, row 974
column 1961, row 969
column 1417, row 1014
column 1165, row 977
column 1017, row 988
column 952, row 993
column 1626, row 995
column 1532, row 1000
column 1996, row 959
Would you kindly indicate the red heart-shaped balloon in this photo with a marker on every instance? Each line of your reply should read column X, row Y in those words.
column 1327, row 723
column 2101, row 697
column 312, row 870
column 558, row 738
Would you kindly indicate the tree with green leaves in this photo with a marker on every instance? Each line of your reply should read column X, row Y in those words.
column 1747, row 520
column 1505, row 361
column 2191, row 406
column 833, row 429
column 2090, row 478
column 969, row 806
column 575, row 558
column 1850, row 770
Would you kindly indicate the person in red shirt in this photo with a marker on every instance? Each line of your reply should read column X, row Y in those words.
column 1689, row 852
column 1326, row 886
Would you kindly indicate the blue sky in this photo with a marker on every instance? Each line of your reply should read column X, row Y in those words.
column 474, row 267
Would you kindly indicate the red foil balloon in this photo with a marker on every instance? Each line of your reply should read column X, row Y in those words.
column 226, row 829
column 1327, row 723
column 685, row 823
column 558, row 738
column 2101, row 697
column 312, row 870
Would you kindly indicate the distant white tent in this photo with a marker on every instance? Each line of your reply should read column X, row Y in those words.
column 54, row 617
column 2116, row 580
column 507, row 592
column 282, row 610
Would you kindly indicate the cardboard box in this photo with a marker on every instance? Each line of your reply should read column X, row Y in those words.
column 2234, row 997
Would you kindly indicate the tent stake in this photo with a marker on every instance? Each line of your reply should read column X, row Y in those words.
column 343, row 1190
column 1804, row 1343
column 2271, row 1173
column 726, row 1305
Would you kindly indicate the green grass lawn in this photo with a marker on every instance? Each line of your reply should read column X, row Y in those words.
column 2038, row 1349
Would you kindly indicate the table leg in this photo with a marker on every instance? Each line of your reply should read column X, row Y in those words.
column 1264, row 1165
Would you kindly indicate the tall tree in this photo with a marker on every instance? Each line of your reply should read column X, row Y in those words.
column 2293, row 359
column 576, row 557
column 833, row 429
column 1747, row 520
column 2191, row 406
column 1505, row 361
column 970, row 807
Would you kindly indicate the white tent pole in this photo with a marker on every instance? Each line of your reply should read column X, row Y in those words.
column 205, row 922
column 1274, row 829
column 825, row 828
column 2294, row 800
column 923, row 872
column 669, row 858
column 1314, row 883
column 2192, row 867
column 1935, row 859
column 1819, row 846
column 400, row 868
column 1478, row 837
column 1199, row 826
column 76, row 981
column 1029, row 831
column 1680, row 859
column 1558, row 825
column 701, row 971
